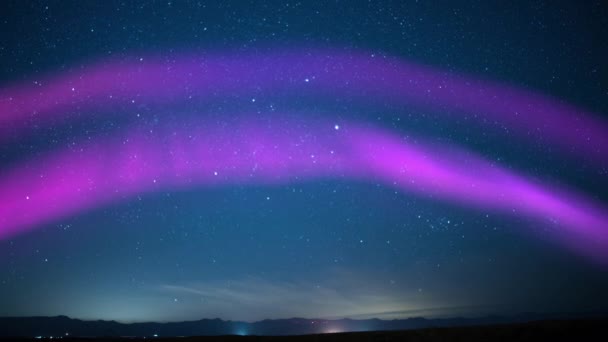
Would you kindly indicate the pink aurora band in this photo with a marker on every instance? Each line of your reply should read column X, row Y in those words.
column 246, row 150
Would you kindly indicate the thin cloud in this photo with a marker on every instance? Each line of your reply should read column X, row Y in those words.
column 336, row 299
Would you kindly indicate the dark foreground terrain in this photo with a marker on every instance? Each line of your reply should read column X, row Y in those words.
column 573, row 330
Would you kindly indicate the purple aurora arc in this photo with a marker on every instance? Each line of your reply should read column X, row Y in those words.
column 204, row 153
column 155, row 79
column 199, row 153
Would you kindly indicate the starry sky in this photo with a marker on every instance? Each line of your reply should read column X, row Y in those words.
column 178, row 160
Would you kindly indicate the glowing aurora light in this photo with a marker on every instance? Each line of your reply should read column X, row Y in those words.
column 354, row 74
column 204, row 153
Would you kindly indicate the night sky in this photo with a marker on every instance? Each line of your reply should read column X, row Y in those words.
column 173, row 160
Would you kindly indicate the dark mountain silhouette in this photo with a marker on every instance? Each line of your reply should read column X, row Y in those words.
column 62, row 325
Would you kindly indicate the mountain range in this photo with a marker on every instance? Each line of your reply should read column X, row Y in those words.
column 65, row 326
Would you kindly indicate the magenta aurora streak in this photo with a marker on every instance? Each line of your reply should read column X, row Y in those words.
column 70, row 181
column 156, row 79
column 199, row 153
